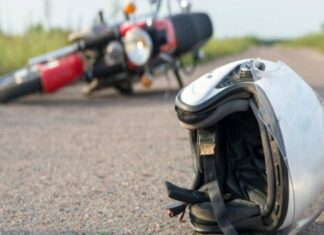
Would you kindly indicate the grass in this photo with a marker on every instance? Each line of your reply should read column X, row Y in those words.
column 314, row 41
column 217, row 48
column 16, row 50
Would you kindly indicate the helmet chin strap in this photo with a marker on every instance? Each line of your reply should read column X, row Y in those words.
column 219, row 209
column 208, row 155
column 210, row 190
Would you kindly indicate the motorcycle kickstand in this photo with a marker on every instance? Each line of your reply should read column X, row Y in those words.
column 178, row 77
column 168, row 90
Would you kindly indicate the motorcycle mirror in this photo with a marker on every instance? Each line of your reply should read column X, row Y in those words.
column 185, row 5
column 100, row 17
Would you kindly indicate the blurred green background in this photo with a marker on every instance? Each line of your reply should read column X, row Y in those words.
column 15, row 50
column 16, row 47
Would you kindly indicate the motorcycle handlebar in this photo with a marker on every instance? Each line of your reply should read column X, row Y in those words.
column 54, row 55
column 99, row 40
column 79, row 46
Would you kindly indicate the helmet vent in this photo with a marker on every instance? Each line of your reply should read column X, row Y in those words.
column 245, row 73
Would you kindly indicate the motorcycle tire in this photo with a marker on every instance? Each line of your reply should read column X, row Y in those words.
column 18, row 84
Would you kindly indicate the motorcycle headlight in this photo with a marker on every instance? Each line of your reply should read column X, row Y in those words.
column 138, row 46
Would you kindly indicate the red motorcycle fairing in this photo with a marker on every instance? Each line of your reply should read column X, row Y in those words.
column 161, row 24
column 59, row 73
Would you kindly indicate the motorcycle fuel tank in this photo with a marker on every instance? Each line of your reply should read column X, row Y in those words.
column 61, row 72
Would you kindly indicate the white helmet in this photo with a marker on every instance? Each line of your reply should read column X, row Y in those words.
column 257, row 134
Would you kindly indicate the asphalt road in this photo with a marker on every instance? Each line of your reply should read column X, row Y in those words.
column 74, row 164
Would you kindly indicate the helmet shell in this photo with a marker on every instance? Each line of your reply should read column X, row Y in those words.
column 290, row 109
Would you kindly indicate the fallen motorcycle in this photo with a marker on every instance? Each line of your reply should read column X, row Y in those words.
column 257, row 137
column 116, row 56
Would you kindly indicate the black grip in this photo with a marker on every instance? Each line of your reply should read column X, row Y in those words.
column 99, row 40
column 185, row 195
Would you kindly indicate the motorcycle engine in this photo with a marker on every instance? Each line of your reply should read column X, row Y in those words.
column 114, row 54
